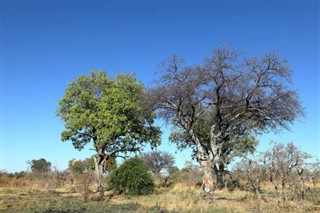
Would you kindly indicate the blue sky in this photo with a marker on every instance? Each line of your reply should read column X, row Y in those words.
column 46, row 44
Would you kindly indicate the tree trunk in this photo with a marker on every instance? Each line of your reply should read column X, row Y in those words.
column 205, row 162
column 302, row 188
column 207, row 181
column 283, row 189
column 99, row 177
column 219, row 171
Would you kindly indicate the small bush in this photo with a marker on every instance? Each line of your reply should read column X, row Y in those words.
column 132, row 178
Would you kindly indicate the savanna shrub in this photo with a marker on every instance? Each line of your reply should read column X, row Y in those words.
column 132, row 178
column 84, row 181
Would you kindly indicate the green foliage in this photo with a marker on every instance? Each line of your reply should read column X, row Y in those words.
column 108, row 165
column 235, row 146
column 238, row 147
column 40, row 167
column 173, row 172
column 86, row 165
column 76, row 166
column 132, row 178
column 108, row 112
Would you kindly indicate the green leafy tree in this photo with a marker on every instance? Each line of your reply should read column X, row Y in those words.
column 40, row 167
column 76, row 166
column 110, row 113
column 132, row 178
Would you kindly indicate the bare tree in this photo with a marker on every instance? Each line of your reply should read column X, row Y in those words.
column 254, row 172
column 285, row 165
column 158, row 160
column 232, row 95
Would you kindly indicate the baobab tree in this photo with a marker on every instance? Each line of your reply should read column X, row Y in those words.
column 223, row 102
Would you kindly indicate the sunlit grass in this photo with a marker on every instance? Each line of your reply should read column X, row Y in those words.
column 177, row 198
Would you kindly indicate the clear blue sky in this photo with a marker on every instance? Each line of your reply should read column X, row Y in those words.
column 45, row 45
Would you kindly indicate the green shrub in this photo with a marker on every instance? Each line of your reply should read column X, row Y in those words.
column 132, row 178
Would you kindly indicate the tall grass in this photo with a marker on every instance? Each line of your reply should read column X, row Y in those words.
column 179, row 197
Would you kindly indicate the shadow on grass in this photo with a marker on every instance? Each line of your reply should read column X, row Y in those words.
column 94, row 208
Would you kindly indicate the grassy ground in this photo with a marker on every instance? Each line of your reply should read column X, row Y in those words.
column 179, row 198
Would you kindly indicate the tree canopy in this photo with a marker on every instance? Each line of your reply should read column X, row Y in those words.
column 158, row 160
column 108, row 112
column 40, row 167
column 232, row 96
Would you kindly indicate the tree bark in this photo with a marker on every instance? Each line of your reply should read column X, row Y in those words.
column 99, row 177
column 205, row 162
column 283, row 188
column 302, row 188
column 219, row 171
column 207, row 181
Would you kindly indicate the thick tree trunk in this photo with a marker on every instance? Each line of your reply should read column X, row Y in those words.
column 219, row 172
column 205, row 162
column 99, row 177
column 207, row 181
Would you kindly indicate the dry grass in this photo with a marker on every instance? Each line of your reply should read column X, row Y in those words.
column 41, row 197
